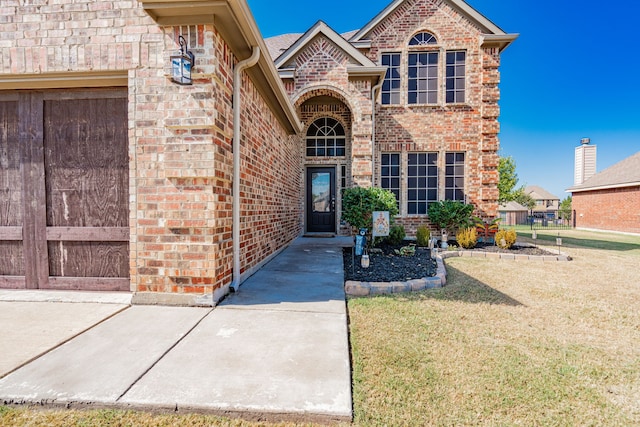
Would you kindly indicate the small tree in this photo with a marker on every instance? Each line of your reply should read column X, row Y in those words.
column 508, row 179
column 358, row 205
column 450, row 215
column 525, row 199
column 565, row 210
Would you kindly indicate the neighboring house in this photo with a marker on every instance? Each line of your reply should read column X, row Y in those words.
column 513, row 213
column 610, row 199
column 547, row 204
column 113, row 177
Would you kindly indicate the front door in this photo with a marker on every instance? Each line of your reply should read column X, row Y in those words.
column 321, row 200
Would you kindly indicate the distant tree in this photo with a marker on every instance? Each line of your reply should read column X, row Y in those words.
column 524, row 199
column 565, row 211
column 507, row 190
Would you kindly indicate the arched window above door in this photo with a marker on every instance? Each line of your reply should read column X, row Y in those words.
column 326, row 138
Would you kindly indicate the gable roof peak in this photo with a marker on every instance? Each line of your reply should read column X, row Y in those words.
column 363, row 66
column 494, row 35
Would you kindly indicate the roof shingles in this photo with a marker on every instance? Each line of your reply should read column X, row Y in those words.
column 623, row 174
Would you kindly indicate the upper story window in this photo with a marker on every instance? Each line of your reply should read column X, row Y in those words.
column 423, row 71
column 421, row 74
column 391, row 84
column 423, row 78
column 456, row 76
column 326, row 138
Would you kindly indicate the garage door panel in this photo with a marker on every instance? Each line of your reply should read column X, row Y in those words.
column 64, row 190
column 11, row 249
column 86, row 162
column 88, row 259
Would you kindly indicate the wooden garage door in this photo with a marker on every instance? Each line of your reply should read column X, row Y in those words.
column 65, row 220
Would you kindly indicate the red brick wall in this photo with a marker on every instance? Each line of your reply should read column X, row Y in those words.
column 614, row 210
column 189, row 218
column 180, row 138
column 471, row 127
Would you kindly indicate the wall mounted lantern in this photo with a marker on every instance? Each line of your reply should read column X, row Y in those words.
column 182, row 64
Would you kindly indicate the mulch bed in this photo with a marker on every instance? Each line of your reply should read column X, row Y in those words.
column 387, row 266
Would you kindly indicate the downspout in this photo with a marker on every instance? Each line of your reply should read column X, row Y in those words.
column 237, row 86
column 374, row 95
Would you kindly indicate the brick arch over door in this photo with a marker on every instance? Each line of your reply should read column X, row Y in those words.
column 325, row 91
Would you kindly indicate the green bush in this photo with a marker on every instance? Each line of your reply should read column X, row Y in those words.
column 450, row 215
column 506, row 238
column 423, row 234
column 467, row 237
column 396, row 235
column 358, row 205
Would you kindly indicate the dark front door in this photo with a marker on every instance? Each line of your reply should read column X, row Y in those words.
column 321, row 200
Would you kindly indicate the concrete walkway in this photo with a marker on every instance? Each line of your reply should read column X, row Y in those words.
column 276, row 349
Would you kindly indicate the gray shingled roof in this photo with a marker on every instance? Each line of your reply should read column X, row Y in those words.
column 539, row 193
column 512, row 207
column 277, row 45
column 623, row 174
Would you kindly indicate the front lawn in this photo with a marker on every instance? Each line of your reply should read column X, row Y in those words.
column 507, row 343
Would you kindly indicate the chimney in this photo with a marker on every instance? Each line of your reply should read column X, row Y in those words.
column 585, row 164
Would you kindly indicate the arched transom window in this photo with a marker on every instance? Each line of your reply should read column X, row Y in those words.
column 422, row 39
column 326, row 138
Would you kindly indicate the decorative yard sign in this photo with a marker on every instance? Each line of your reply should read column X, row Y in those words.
column 380, row 224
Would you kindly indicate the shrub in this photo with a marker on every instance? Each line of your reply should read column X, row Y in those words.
column 423, row 234
column 396, row 235
column 467, row 237
column 506, row 238
column 359, row 204
column 450, row 215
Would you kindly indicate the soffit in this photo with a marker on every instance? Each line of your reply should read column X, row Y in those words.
column 235, row 22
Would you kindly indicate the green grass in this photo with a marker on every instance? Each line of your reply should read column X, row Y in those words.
column 580, row 238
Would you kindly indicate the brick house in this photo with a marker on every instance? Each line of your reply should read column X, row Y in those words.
column 114, row 177
column 610, row 199
column 547, row 204
column 409, row 103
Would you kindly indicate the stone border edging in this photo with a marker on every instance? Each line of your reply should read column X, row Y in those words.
column 363, row 289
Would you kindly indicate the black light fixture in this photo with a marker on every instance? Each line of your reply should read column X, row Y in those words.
column 182, row 64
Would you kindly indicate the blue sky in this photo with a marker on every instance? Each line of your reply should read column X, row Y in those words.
column 572, row 73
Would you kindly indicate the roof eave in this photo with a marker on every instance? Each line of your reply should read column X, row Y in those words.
column 376, row 73
column 501, row 41
column 235, row 22
column 603, row 187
